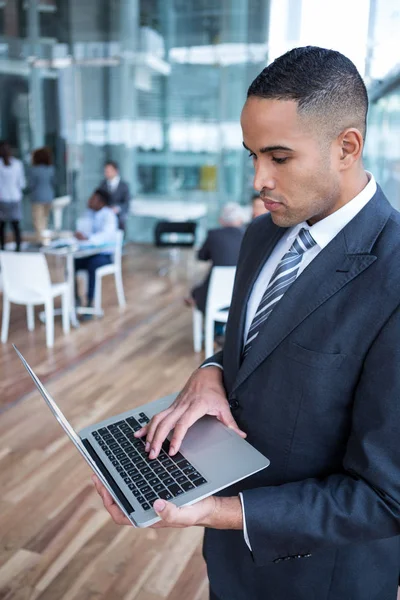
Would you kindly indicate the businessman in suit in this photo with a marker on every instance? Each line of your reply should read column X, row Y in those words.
column 221, row 247
column 311, row 364
column 118, row 191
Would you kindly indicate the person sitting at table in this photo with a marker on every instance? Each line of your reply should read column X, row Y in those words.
column 97, row 227
column 221, row 248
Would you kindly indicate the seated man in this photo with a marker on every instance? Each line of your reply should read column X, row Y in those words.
column 97, row 227
column 221, row 248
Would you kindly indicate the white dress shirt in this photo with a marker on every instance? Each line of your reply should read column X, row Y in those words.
column 12, row 180
column 100, row 227
column 113, row 183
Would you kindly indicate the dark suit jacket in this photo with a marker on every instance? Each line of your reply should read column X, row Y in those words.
column 119, row 197
column 319, row 394
column 222, row 248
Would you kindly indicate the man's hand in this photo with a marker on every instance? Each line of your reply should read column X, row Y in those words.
column 218, row 513
column 80, row 236
column 202, row 395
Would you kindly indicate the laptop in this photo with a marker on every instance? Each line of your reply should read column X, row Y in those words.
column 211, row 458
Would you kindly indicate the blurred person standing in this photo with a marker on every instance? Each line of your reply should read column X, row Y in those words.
column 12, row 182
column 118, row 191
column 41, row 187
column 221, row 247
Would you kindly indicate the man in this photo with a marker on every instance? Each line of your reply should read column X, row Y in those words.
column 310, row 368
column 118, row 191
column 221, row 247
column 257, row 206
column 97, row 227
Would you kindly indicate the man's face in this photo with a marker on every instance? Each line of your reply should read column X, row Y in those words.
column 110, row 172
column 293, row 167
column 95, row 202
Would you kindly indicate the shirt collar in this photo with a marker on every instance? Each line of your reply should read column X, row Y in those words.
column 325, row 230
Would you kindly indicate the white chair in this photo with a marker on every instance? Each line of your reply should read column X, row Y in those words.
column 57, row 208
column 219, row 296
column 26, row 280
column 115, row 268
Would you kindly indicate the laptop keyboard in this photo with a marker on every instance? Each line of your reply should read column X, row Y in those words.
column 164, row 477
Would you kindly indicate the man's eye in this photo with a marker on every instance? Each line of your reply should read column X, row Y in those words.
column 279, row 161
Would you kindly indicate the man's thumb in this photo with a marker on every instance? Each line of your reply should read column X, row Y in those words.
column 229, row 421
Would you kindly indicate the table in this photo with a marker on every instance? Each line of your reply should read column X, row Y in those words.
column 70, row 253
column 174, row 210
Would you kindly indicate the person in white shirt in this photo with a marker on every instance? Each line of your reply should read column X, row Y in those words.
column 97, row 227
column 12, row 182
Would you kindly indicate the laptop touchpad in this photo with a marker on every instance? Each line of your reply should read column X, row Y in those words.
column 205, row 433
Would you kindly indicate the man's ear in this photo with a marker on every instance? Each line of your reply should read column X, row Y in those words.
column 350, row 144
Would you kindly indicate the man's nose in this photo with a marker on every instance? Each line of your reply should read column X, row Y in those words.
column 263, row 178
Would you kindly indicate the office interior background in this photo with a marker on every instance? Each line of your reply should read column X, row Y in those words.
column 158, row 86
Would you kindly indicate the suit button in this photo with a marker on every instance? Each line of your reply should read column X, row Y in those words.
column 277, row 560
column 233, row 404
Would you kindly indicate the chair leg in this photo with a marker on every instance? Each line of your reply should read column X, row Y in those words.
column 49, row 312
column 97, row 295
column 30, row 317
column 197, row 329
column 6, row 319
column 209, row 338
column 120, row 288
column 65, row 312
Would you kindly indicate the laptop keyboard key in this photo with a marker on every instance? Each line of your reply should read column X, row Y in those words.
column 146, row 506
column 175, row 489
column 188, row 485
column 151, row 496
column 158, row 487
column 181, row 479
column 153, row 481
column 168, row 481
column 178, row 457
column 163, row 476
column 145, row 490
column 199, row 481
column 165, row 495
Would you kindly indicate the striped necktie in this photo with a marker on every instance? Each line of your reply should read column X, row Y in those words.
column 284, row 275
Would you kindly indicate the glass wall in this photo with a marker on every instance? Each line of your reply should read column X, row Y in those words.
column 382, row 152
column 157, row 85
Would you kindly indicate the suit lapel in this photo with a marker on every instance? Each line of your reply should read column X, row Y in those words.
column 342, row 260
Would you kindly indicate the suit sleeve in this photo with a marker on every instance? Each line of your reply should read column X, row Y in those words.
column 125, row 200
column 204, row 252
column 362, row 502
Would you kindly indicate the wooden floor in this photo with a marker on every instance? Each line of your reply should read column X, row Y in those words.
column 57, row 542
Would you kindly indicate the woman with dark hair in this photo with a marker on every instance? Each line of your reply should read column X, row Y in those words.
column 41, row 188
column 12, row 182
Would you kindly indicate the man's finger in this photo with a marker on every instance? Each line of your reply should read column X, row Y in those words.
column 193, row 414
column 227, row 419
column 152, row 426
column 163, row 429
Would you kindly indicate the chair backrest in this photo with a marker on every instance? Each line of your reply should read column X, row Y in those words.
column 178, row 234
column 220, row 288
column 58, row 206
column 119, row 242
column 25, row 276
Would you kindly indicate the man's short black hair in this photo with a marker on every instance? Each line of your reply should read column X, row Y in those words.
column 104, row 196
column 324, row 83
column 112, row 163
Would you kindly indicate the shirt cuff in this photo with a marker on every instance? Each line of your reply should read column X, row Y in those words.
column 212, row 365
column 245, row 534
